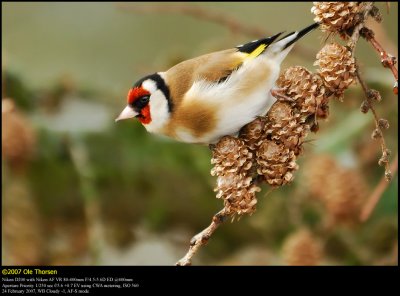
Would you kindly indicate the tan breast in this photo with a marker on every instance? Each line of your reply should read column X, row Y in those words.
column 194, row 118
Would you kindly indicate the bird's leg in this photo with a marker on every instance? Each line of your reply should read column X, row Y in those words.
column 279, row 94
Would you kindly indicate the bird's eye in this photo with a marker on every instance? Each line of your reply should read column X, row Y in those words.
column 142, row 102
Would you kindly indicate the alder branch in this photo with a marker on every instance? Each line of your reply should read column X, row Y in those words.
column 198, row 12
column 202, row 238
column 387, row 60
column 376, row 195
column 220, row 18
column 356, row 31
column 387, row 7
column 370, row 95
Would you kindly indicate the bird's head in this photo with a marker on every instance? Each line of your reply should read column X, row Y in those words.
column 147, row 100
column 138, row 102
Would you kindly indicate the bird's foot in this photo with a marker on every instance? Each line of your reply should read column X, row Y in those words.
column 279, row 94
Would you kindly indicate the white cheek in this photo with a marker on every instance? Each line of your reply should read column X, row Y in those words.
column 159, row 112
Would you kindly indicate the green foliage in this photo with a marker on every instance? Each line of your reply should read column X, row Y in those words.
column 16, row 89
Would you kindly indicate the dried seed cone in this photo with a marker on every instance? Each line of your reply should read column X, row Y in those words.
column 336, row 67
column 276, row 163
column 302, row 249
column 338, row 16
column 316, row 172
column 344, row 194
column 230, row 155
column 340, row 190
column 252, row 133
column 233, row 165
column 306, row 91
column 295, row 81
column 238, row 192
column 18, row 138
column 286, row 128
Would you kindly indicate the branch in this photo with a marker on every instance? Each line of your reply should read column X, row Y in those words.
column 387, row 60
column 387, row 7
column 370, row 94
column 357, row 29
column 223, row 19
column 199, row 13
column 202, row 238
column 374, row 198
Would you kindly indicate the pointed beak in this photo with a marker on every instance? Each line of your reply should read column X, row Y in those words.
column 128, row 112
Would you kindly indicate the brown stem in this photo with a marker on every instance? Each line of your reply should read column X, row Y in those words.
column 367, row 92
column 374, row 198
column 356, row 32
column 202, row 238
column 197, row 12
column 387, row 60
column 387, row 7
column 223, row 19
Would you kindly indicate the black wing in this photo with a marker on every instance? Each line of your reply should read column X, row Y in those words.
column 253, row 45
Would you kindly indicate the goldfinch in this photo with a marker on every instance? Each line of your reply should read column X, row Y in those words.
column 205, row 98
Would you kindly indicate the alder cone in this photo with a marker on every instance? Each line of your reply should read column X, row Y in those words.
column 340, row 190
column 344, row 194
column 336, row 67
column 238, row 192
column 317, row 172
column 338, row 16
column 306, row 92
column 233, row 164
column 253, row 132
column 302, row 249
column 276, row 163
column 285, row 127
column 18, row 137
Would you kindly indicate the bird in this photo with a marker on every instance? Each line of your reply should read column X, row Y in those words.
column 203, row 99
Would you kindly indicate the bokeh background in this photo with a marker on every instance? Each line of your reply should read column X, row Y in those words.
column 78, row 189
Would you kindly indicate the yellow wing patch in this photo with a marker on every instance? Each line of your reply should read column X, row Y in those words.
column 255, row 53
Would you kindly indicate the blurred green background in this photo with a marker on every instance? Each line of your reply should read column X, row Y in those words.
column 79, row 189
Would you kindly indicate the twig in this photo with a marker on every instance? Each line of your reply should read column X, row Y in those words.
column 356, row 31
column 387, row 60
column 199, row 13
column 223, row 19
column 376, row 195
column 368, row 92
column 202, row 238
column 387, row 7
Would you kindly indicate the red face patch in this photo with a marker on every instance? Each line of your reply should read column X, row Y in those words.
column 146, row 116
column 135, row 93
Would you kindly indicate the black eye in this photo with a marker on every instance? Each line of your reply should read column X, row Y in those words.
column 142, row 102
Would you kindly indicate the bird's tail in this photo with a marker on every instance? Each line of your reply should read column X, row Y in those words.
column 281, row 48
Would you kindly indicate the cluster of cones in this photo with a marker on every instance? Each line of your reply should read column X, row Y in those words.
column 267, row 148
